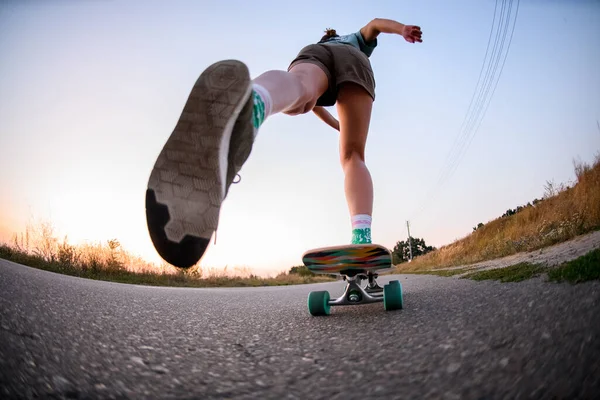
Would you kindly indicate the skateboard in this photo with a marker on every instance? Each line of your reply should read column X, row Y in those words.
column 355, row 263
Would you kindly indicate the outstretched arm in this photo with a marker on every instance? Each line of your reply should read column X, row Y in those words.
column 411, row 33
column 327, row 117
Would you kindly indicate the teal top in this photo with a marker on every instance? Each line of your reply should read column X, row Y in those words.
column 354, row 39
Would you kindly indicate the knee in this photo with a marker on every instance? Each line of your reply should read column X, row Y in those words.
column 351, row 154
column 301, row 107
column 305, row 106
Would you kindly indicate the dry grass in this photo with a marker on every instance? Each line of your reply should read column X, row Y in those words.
column 39, row 247
column 564, row 213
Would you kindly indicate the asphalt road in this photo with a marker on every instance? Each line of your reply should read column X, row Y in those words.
column 455, row 339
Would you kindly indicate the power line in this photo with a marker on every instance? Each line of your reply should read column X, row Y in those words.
column 499, row 74
column 487, row 49
column 475, row 113
column 480, row 97
column 409, row 241
column 461, row 137
column 484, row 98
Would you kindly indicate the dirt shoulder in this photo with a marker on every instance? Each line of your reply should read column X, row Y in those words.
column 549, row 256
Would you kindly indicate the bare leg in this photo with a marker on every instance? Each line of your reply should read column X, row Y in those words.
column 354, row 107
column 294, row 92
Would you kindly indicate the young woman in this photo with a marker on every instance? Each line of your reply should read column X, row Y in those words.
column 214, row 135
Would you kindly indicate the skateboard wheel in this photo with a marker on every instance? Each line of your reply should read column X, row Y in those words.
column 318, row 303
column 392, row 296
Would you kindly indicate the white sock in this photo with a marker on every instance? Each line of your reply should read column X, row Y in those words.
column 361, row 221
column 263, row 105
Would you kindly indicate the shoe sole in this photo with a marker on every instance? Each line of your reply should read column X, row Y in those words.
column 188, row 182
column 242, row 139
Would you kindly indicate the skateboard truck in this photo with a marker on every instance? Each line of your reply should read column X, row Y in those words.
column 372, row 286
column 355, row 294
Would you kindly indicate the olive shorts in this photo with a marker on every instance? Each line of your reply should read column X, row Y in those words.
column 342, row 63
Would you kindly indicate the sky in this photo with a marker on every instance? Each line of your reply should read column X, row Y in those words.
column 91, row 90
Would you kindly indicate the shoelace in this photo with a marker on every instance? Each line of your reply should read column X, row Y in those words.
column 235, row 183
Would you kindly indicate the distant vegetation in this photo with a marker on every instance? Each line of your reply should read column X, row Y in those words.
column 402, row 250
column 39, row 247
column 564, row 212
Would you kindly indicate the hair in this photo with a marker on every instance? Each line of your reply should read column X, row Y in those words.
column 329, row 33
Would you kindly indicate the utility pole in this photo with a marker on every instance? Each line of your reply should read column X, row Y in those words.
column 409, row 241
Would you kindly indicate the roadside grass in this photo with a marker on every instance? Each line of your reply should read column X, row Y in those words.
column 564, row 213
column 442, row 272
column 110, row 263
column 514, row 273
column 582, row 269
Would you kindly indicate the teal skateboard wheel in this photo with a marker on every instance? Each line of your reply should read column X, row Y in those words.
column 395, row 283
column 318, row 303
column 392, row 296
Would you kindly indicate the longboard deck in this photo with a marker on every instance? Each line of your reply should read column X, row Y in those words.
column 348, row 258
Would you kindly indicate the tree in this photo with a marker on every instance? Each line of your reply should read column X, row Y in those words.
column 401, row 252
column 479, row 226
column 301, row 270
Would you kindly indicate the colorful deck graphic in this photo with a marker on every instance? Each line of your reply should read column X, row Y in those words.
column 332, row 260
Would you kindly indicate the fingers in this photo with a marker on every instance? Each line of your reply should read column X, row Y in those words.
column 415, row 34
column 416, row 31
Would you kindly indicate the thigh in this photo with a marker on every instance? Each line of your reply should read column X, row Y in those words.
column 354, row 105
column 313, row 78
column 320, row 56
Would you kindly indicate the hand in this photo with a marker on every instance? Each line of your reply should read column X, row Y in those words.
column 412, row 33
column 329, row 119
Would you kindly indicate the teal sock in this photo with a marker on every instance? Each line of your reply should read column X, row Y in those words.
column 361, row 229
column 262, row 106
